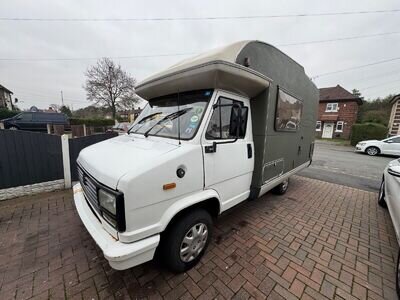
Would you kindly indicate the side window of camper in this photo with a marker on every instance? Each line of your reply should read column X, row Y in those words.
column 225, row 123
column 288, row 112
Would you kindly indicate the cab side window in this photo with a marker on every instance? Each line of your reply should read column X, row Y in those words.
column 225, row 122
column 25, row 117
column 396, row 140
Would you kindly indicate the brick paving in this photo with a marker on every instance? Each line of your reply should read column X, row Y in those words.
column 319, row 241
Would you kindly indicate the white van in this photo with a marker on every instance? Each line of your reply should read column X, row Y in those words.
column 218, row 129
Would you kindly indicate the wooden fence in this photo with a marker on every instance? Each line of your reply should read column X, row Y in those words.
column 28, row 158
column 77, row 144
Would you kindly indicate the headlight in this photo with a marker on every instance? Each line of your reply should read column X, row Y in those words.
column 361, row 144
column 108, row 201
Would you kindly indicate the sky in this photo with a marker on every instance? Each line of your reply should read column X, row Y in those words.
column 39, row 59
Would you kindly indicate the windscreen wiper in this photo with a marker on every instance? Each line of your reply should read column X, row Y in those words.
column 144, row 119
column 168, row 117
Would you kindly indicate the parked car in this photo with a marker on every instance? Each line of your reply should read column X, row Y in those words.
column 389, row 196
column 212, row 135
column 121, row 128
column 35, row 121
column 390, row 146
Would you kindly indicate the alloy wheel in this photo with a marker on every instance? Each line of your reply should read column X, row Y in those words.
column 372, row 151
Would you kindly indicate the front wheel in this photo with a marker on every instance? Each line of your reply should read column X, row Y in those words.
column 186, row 241
column 372, row 151
column 381, row 195
column 281, row 188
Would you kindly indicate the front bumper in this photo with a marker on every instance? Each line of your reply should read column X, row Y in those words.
column 120, row 255
column 359, row 148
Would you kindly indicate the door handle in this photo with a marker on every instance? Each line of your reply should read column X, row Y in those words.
column 249, row 151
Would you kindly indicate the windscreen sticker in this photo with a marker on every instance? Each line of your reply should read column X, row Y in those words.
column 192, row 125
column 194, row 119
column 189, row 130
column 198, row 110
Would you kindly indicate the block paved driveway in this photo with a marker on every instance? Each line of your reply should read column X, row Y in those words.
column 318, row 241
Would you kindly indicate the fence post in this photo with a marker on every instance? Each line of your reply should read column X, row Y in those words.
column 1, row 125
column 84, row 130
column 48, row 128
column 66, row 161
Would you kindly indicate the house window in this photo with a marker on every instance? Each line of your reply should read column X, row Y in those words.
column 332, row 107
column 318, row 126
column 288, row 112
column 339, row 126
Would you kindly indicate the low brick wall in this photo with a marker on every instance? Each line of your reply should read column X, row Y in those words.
column 32, row 189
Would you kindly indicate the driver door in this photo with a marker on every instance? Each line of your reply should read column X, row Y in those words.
column 228, row 168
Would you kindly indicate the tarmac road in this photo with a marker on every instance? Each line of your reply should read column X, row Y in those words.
column 341, row 165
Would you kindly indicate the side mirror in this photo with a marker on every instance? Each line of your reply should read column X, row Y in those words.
column 394, row 171
column 389, row 141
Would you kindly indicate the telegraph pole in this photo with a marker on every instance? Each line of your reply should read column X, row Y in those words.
column 62, row 98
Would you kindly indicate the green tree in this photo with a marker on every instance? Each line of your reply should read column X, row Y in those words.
column 356, row 93
column 376, row 110
column 65, row 110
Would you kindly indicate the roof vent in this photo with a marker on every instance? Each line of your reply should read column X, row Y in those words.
column 246, row 62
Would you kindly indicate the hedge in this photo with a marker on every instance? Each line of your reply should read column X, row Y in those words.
column 367, row 131
column 5, row 113
column 92, row 122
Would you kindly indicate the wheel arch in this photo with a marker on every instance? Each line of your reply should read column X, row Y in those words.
column 13, row 125
column 211, row 204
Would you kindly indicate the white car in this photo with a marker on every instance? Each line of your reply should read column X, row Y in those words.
column 390, row 146
column 389, row 196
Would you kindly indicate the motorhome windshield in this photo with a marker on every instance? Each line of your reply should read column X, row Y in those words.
column 163, row 116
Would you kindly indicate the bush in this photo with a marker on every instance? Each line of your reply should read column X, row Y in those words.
column 5, row 113
column 92, row 122
column 367, row 131
column 375, row 116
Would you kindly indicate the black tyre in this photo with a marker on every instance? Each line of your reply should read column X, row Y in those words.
column 185, row 242
column 398, row 276
column 381, row 195
column 372, row 151
column 281, row 188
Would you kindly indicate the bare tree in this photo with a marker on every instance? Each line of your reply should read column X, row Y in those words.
column 55, row 107
column 108, row 85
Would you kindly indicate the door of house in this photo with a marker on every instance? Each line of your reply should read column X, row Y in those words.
column 327, row 132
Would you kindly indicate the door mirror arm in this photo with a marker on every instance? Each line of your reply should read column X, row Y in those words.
column 213, row 147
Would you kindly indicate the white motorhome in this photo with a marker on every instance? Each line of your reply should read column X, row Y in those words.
column 218, row 129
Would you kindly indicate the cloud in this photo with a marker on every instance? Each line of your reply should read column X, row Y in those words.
column 39, row 83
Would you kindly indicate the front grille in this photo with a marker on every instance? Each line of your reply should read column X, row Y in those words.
column 89, row 189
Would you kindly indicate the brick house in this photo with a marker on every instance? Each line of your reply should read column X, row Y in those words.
column 338, row 110
column 5, row 98
column 394, row 122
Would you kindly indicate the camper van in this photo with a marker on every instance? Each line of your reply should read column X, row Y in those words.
column 219, row 129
